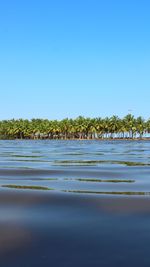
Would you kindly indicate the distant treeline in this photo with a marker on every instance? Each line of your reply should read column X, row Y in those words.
column 79, row 128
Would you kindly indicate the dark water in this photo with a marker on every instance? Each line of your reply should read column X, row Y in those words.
column 74, row 203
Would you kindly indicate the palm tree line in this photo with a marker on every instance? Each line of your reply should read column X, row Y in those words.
column 114, row 127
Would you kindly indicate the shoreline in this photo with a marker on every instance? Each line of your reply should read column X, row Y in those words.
column 79, row 139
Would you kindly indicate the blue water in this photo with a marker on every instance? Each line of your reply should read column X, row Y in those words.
column 74, row 203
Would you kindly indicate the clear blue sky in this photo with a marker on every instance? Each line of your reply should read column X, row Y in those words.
column 65, row 58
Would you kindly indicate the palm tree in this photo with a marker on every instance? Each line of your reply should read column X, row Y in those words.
column 140, row 126
column 99, row 126
column 65, row 128
column 130, row 124
column 75, row 128
column 80, row 128
column 113, row 125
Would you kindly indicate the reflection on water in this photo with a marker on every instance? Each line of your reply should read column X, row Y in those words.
column 103, row 181
column 109, row 192
column 12, row 238
column 55, row 196
column 79, row 166
column 96, row 162
column 26, row 187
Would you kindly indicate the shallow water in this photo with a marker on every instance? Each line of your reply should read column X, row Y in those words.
column 74, row 203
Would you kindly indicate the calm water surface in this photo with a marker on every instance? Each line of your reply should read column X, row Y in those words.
column 74, row 203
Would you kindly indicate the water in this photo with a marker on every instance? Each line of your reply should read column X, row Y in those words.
column 74, row 203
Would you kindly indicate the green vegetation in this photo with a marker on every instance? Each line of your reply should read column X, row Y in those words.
column 13, row 186
column 106, row 180
column 135, row 193
column 80, row 128
column 95, row 162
